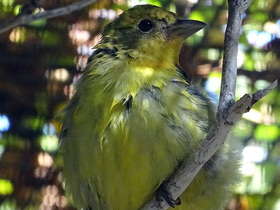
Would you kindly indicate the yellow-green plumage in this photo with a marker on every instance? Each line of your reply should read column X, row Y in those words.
column 134, row 118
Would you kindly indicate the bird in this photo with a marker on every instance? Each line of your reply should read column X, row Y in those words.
column 134, row 118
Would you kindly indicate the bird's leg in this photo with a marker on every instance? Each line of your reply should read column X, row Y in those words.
column 163, row 193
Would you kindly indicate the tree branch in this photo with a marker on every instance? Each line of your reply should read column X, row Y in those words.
column 231, row 111
column 25, row 19
column 259, row 94
column 235, row 13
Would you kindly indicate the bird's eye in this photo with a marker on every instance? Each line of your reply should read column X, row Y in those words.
column 145, row 25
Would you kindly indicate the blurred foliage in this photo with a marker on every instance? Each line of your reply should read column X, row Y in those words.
column 41, row 61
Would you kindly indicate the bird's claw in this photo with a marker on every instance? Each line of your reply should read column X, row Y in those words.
column 162, row 192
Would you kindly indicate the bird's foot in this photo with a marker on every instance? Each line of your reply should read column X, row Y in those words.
column 163, row 193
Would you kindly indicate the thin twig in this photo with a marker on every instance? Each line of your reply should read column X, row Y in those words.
column 259, row 94
column 25, row 19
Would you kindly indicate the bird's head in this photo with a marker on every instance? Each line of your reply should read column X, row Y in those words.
column 151, row 35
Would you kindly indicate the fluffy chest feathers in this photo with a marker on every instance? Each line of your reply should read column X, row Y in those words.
column 127, row 96
column 129, row 128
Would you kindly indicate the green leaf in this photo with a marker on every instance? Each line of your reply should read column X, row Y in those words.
column 6, row 187
column 39, row 23
column 266, row 133
column 203, row 14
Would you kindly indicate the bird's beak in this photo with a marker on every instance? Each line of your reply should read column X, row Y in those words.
column 184, row 28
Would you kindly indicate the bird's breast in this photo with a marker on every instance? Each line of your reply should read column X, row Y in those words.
column 156, row 118
column 127, row 143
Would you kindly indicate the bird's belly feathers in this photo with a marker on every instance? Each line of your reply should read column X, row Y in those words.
column 141, row 147
column 120, row 164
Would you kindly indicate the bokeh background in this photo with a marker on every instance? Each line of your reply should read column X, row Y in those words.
column 40, row 63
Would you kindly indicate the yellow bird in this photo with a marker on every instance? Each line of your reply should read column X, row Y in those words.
column 134, row 119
